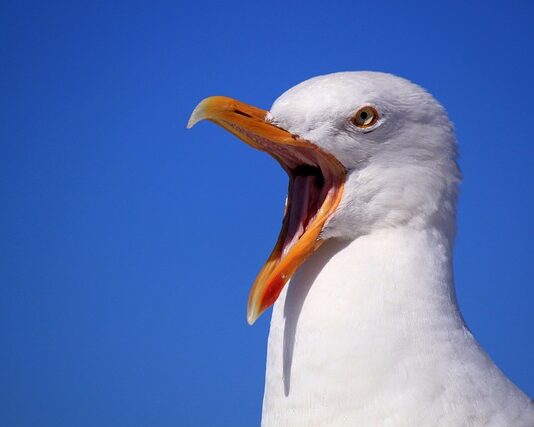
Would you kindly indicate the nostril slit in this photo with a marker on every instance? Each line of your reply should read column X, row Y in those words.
column 241, row 113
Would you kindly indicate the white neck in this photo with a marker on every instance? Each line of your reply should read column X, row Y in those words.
column 369, row 331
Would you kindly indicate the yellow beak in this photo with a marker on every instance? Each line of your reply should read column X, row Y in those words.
column 316, row 180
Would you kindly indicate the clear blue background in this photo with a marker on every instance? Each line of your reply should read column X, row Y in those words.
column 128, row 244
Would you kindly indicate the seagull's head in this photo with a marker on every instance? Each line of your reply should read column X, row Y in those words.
column 363, row 151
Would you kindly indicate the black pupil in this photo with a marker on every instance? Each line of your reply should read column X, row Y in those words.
column 363, row 115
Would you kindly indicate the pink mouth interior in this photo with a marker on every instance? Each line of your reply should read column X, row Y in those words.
column 308, row 185
column 305, row 197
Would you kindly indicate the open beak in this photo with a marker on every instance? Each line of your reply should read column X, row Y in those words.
column 316, row 180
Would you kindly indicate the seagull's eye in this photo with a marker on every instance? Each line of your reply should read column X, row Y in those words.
column 365, row 117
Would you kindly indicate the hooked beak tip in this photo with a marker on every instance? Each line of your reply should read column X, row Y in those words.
column 196, row 116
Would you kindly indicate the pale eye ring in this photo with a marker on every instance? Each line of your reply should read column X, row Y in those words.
column 365, row 117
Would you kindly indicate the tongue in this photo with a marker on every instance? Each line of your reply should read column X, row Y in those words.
column 301, row 198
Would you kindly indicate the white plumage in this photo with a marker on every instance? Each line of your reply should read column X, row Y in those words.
column 368, row 331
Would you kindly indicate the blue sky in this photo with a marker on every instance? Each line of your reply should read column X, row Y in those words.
column 128, row 244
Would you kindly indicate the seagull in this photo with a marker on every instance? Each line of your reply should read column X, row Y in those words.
column 366, row 328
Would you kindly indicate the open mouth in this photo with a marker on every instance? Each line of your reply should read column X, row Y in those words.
column 316, row 180
column 305, row 196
